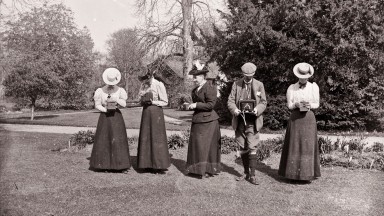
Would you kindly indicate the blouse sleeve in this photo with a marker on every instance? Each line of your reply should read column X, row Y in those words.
column 97, row 99
column 315, row 102
column 290, row 101
column 122, row 101
column 163, row 98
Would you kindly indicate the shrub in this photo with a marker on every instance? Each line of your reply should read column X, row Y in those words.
column 176, row 141
column 263, row 151
column 82, row 139
column 228, row 145
column 179, row 99
column 269, row 146
column 326, row 145
column 378, row 147
column 221, row 104
column 275, row 145
column 276, row 114
column 355, row 144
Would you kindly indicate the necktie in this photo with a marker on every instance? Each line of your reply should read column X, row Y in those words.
column 302, row 85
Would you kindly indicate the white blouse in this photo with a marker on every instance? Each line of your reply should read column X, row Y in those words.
column 100, row 98
column 157, row 88
column 310, row 93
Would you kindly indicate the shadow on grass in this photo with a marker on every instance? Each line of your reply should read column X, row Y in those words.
column 262, row 167
column 273, row 173
column 38, row 117
column 146, row 170
column 181, row 165
column 230, row 170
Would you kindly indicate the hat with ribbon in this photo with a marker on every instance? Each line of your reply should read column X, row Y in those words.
column 248, row 69
column 111, row 76
column 303, row 70
column 198, row 69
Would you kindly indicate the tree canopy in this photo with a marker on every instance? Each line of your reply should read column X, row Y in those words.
column 50, row 56
column 342, row 39
column 126, row 52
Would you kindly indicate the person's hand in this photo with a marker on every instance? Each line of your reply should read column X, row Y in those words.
column 237, row 112
column 297, row 104
column 305, row 104
column 148, row 102
column 255, row 111
column 192, row 106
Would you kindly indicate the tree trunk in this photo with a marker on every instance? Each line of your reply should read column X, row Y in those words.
column 187, row 39
column 126, row 83
column 32, row 110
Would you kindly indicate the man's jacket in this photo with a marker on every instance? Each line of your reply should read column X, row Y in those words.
column 261, row 101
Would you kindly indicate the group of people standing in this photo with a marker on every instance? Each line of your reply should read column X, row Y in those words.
column 246, row 102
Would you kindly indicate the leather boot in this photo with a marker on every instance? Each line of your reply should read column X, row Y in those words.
column 253, row 165
column 245, row 160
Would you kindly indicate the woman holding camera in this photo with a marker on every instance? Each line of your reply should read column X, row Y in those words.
column 300, row 155
column 204, row 151
column 152, row 153
column 110, row 150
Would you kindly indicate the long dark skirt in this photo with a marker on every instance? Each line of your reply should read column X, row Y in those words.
column 153, row 147
column 110, row 150
column 300, row 156
column 204, row 151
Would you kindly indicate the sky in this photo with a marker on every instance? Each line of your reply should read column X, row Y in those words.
column 103, row 17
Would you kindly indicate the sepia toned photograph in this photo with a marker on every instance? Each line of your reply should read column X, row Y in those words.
column 192, row 107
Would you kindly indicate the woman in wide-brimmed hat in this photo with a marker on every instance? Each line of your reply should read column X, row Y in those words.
column 110, row 150
column 152, row 153
column 204, row 152
column 300, row 156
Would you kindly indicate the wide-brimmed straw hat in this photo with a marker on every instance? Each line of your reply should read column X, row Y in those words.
column 303, row 70
column 248, row 69
column 111, row 76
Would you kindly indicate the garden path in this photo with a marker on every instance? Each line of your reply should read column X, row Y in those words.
column 135, row 132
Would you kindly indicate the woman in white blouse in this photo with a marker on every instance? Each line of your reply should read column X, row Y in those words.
column 300, row 156
column 152, row 153
column 110, row 150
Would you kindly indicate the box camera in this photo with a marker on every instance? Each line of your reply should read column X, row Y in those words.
column 147, row 98
column 111, row 105
column 247, row 106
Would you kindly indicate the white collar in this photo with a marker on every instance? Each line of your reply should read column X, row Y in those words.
column 202, row 83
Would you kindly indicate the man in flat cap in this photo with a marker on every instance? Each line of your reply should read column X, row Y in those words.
column 247, row 103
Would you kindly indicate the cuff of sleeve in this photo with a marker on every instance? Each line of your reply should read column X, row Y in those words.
column 314, row 105
column 101, row 108
column 121, row 102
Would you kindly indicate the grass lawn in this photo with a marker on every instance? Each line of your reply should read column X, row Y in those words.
column 34, row 180
column 132, row 118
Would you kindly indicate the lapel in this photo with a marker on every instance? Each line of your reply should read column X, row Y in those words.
column 200, row 93
column 254, row 87
column 240, row 86
column 238, row 89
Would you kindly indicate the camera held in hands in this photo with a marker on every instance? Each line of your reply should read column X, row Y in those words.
column 303, row 106
column 247, row 106
column 111, row 105
column 146, row 99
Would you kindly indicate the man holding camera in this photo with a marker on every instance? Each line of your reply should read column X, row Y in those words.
column 247, row 103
